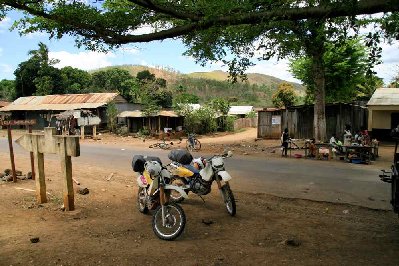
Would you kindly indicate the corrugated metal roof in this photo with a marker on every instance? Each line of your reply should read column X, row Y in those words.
column 137, row 113
column 385, row 96
column 61, row 102
column 240, row 110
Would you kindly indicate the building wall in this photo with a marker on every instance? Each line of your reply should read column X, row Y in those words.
column 381, row 119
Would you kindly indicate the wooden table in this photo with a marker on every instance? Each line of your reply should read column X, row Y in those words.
column 323, row 145
column 364, row 153
column 318, row 146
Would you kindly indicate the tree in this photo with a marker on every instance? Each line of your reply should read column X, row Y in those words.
column 7, row 90
column 231, row 31
column 113, row 80
column 75, row 80
column 112, row 113
column 222, row 107
column 37, row 73
column 145, row 76
column 346, row 71
column 285, row 96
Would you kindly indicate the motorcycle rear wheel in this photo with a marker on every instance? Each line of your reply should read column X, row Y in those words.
column 141, row 200
column 228, row 199
column 175, row 221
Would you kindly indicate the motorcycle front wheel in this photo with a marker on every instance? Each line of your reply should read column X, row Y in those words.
column 175, row 221
column 141, row 200
column 228, row 199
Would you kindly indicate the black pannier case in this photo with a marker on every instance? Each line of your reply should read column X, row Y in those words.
column 180, row 156
column 139, row 160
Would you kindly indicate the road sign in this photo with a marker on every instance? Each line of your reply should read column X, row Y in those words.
column 65, row 147
column 18, row 122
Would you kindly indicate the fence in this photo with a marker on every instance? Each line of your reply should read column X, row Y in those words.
column 245, row 122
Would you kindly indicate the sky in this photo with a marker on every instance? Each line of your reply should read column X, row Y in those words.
column 164, row 54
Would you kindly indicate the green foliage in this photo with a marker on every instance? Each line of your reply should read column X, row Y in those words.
column 186, row 98
column 230, row 123
column 112, row 80
column 145, row 76
column 112, row 113
column 285, row 96
column 143, row 132
column 75, row 80
column 346, row 68
column 251, row 114
column 44, row 85
column 220, row 105
column 201, row 121
column 7, row 90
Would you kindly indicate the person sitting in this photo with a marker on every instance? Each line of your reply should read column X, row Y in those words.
column 366, row 140
column 312, row 148
column 336, row 144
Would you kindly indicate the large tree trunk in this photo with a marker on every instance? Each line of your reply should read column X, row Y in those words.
column 319, row 121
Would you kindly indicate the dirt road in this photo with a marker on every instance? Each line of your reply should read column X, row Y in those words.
column 106, row 228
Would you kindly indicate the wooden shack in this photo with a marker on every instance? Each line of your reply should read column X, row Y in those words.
column 299, row 120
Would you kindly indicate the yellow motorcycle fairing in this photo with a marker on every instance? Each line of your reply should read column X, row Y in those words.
column 182, row 171
column 147, row 177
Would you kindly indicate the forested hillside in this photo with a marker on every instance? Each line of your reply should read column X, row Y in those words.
column 257, row 90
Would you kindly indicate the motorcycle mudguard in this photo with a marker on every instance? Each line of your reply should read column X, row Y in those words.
column 225, row 176
column 178, row 189
column 141, row 181
column 207, row 172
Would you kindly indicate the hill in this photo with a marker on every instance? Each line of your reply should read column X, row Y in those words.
column 257, row 90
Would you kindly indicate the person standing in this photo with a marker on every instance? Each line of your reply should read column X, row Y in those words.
column 284, row 142
column 347, row 136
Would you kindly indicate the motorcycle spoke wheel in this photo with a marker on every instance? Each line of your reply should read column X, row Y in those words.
column 175, row 196
column 175, row 221
column 141, row 200
column 189, row 147
column 197, row 145
column 229, row 200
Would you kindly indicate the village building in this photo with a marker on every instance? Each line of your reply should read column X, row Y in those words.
column 45, row 108
column 383, row 109
column 240, row 110
column 164, row 120
column 299, row 120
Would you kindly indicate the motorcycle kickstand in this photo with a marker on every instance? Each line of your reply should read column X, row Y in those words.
column 201, row 198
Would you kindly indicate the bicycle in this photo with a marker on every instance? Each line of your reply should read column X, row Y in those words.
column 192, row 143
column 160, row 145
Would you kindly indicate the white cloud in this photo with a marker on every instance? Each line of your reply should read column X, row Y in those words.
column 1, row 51
column 145, row 63
column 131, row 50
column 6, row 70
column 145, row 29
column 36, row 34
column 278, row 69
column 83, row 60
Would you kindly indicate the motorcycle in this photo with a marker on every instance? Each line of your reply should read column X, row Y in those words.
column 197, row 176
column 392, row 177
column 168, row 219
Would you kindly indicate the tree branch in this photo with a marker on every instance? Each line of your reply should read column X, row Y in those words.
column 171, row 11
column 293, row 14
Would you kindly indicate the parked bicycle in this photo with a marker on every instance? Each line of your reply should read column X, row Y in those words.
column 192, row 143
column 160, row 145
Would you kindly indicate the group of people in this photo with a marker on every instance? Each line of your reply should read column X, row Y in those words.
column 360, row 138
